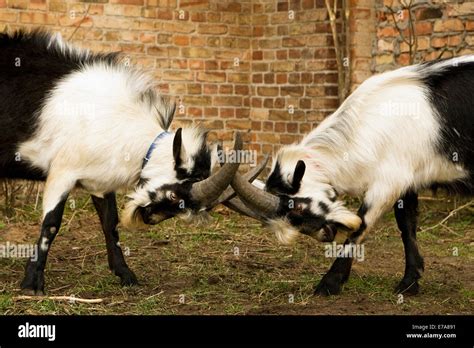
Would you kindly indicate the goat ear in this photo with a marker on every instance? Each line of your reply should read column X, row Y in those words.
column 178, row 147
column 298, row 174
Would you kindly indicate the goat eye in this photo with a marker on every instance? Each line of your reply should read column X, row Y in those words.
column 171, row 196
column 299, row 208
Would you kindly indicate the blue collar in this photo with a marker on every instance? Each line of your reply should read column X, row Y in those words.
column 152, row 147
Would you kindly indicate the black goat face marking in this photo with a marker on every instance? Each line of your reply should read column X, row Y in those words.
column 299, row 214
column 167, row 202
column 201, row 160
column 278, row 184
column 319, row 218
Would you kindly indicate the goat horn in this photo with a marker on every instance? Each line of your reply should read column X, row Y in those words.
column 208, row 190
column 250, row 176
column 237, row 205
column 262, row 202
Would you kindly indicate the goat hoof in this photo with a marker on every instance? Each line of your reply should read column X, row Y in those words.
column 128, row 278
column 407, row 287
column 32, row 285
column 329, row 285
column 32, row 292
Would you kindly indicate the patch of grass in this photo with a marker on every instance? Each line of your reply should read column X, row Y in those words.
column 467, row 293
column 6, row 302
column 374, row 286
column 45, row 306
column 150, row 306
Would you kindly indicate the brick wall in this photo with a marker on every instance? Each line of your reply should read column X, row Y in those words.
column 444, row 28
column 362, row 39
column 293, row 72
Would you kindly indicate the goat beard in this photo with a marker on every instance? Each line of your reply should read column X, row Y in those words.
column 132, row 219
column 285, row 233
column 201, row 218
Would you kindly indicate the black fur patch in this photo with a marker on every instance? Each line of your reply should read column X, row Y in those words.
column 276, row 185
column 363, row 209
column 201, row 169
column 29, row 70
column 152, row 195
column 201, row 160
column 451, row 92
column 170, row 208
column 324, row 207
column 142, row 181
column 303, row 219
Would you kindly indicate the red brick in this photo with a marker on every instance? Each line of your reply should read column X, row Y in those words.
column 194, row 88
column 387, row 32
column 227, row 101
column 291, row 42
column 438, row 42
column 194, row 4
column 239, row 124
column 469, row 25
column 268, row 103
column 194, row 112
column 241, row 89
column 211, row 112
column 293, row 91
column 268, row 126
column 282, row 54
column 196, row 64
column 198, row 100
column 18, row 4
column 128, row 2
column 452, row 24
column 281, row 78
column 212, row 29
column 226, row 112
column 225, row 89
column 198, row 16
column 177, row 75
column 267, row 91
column 8, row 16
column 288, row 139
column 210, row 65
column 211, row 76
column 196, row 52
column 37, row 5
column 210, row 89
column 37, row 18
column 181, row 40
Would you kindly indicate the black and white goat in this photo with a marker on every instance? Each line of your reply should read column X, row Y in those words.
column 78, row 119
column 398, row 133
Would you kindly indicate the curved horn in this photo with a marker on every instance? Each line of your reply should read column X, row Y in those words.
column 208, row 190
column 263, row 202
column 250, row 176
column 237, row 205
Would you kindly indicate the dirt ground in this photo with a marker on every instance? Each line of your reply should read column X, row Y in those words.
column 234, row 266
